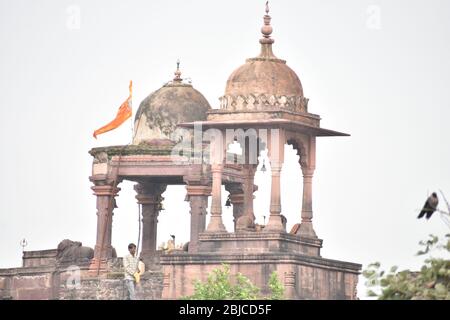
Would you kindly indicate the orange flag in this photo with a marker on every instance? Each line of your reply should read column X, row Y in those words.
column 122, row 115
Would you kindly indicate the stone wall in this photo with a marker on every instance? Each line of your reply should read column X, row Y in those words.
column 43, row 278
column 39, row 258
column 27, row 283
column 150, row 288
column 303, row 277
column 4, row 288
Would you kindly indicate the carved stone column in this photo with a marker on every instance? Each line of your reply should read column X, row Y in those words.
column 306, row 227
column 149, row 197
column 308, row 165
column 105, row 193
column 275, row 219
column 198, row 200
column 249, row 188
column 216, row 223
column 237, row 200
column 276, row 157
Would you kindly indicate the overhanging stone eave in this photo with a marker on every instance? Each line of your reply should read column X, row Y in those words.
column 144, row 169
column 266, row 123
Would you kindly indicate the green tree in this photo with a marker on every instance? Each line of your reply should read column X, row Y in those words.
column 276, row 287
column 431, row 282
column 219, row 286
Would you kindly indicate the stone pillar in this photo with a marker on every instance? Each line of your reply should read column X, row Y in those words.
column 290, row 285
column 276, row 157
column 198, row 200
column 103, row 250
column 149, row 197
column 308, row 164
column 237, row 200
column 275, row 219
column 306, row 227
column 216, row 223
column 249, row 188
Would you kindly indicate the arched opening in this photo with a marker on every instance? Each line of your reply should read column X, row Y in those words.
column 125, row 224
column 174, row 219
column 261, row 204
column 227, row 211
column 291, row 187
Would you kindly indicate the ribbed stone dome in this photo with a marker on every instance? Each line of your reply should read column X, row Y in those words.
column 158, row 115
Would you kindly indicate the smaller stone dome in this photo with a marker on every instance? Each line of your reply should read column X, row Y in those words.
column 264, row 83
column 264, row 76
column 159, row 114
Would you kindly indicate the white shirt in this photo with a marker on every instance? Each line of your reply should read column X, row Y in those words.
column 130, row 265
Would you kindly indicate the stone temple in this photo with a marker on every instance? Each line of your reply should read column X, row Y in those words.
column 180, row 140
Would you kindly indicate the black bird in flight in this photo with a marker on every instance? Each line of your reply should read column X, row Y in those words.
column 429, row 207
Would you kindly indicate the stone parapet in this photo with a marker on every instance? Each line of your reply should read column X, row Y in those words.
column 258, row 242
column 306, row 277
column 39, row 258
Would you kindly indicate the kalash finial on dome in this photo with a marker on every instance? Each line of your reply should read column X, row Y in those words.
column 178, row 73
column 266, row 41
column 267, row 29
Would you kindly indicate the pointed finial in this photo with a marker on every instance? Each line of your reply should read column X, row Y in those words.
column 266, row 29
column 178, row 72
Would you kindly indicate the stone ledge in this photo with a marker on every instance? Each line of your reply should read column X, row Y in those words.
column 27, row 270
column 264, row 258
column 270, row 113
column 50, row 253
column 260, row 235
column 126, row 150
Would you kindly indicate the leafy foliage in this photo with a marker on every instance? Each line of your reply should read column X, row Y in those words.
column 431, row 282
column 219, row 286
column 276, row 287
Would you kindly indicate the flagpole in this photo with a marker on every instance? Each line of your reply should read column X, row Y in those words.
column 132, row 127
column 132, row 124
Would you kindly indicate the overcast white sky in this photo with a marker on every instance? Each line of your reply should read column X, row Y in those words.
column 379, row 70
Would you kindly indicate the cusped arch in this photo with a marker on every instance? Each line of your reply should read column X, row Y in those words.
column 301, row 147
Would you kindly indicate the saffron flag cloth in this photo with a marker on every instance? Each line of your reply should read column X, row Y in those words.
column 123, row 114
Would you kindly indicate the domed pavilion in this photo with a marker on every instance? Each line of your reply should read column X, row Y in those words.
column 179, row 139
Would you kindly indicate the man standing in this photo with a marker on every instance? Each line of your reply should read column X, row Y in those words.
column 130, row 265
